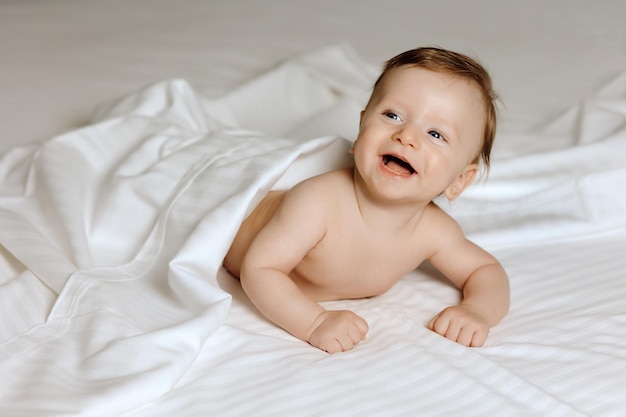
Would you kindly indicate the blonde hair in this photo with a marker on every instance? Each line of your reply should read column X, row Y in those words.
column 456, row 64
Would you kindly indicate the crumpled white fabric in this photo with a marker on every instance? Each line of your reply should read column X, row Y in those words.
column 112, row 236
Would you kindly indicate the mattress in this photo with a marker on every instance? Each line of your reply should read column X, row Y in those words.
column 138, row 135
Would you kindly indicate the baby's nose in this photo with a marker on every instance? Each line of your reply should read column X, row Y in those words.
column 406, row 137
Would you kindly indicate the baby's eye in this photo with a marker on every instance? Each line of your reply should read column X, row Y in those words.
column 392, row 115
column 435, row 134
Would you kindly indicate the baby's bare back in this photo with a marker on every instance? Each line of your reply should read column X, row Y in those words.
column 350, row 261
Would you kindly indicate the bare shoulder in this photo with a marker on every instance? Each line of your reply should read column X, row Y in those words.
column 438, row 218
column 439, row 228
column 320, row 191
column 299, row 223
column 300, row 214
column 451, row 252
column 311, row 205
column 333, row 179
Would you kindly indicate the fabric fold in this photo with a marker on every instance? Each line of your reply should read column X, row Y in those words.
column 138, row 211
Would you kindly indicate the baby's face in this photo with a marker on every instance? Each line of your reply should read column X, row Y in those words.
column 420, row 131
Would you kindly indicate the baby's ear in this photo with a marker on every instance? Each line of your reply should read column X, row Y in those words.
column 461, row 182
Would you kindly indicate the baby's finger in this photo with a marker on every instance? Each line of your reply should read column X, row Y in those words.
column 363, row 327
column 332, row 346
column 433, row 322
column 479, row 338
column 439, row 325
column 465, row 336
column 453, row 331
column 346, row 342
column 356, row 335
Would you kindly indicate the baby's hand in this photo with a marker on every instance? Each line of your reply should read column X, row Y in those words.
column 338, row 331
column 461, row 324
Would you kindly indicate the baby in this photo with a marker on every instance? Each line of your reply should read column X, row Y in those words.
column 353, row 233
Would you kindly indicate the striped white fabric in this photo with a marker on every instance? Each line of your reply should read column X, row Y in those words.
column 113, row 300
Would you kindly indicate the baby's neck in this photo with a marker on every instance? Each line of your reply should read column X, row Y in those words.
column 387, row 217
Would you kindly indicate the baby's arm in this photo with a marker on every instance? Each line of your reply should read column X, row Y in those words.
column 297, row 226
column 484, row 284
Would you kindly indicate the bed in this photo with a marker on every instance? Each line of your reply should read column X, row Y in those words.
column 136, row 136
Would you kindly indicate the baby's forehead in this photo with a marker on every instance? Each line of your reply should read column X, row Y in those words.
column 393, row 75
column 398, row 76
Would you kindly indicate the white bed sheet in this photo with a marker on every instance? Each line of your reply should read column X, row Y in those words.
column 150, row 325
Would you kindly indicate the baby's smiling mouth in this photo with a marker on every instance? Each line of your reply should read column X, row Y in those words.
column 397, row 165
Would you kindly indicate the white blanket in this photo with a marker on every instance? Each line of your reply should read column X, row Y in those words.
column 113, row 299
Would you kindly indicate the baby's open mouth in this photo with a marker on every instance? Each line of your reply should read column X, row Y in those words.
column 399, row 166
